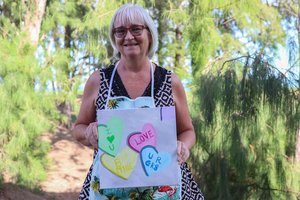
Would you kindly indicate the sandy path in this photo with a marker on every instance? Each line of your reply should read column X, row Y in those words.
column 70, row 163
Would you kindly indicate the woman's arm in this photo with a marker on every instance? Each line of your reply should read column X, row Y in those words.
column 185, row 130
column 85, row 128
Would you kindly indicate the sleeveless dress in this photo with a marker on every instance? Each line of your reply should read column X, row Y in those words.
column 161, row 89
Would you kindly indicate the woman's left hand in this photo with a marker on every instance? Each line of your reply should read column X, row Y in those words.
column 183, row 152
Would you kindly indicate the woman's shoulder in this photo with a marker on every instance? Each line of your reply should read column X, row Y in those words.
column 163, row 73
column 99, row 74
column 94, row 79
column 176, row 82
column 106, row 71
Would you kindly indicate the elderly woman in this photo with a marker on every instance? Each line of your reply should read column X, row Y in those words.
column 134, row 38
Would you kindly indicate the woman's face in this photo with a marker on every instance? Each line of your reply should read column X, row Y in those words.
column 135, row 42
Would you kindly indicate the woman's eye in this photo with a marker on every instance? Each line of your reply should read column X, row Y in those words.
column 136, row 29
column 120, row 31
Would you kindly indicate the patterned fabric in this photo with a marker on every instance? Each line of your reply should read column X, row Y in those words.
column 162, row 97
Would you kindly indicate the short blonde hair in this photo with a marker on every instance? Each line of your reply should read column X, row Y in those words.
column 131, row 13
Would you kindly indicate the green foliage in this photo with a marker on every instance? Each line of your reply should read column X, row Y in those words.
column 23, row 113
column 171, row 18
column 13, row 12
column 74, row 43
column 246, row 118
column 220, row 29
column 245, row 114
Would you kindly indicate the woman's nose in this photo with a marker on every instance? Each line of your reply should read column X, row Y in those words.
column 128, row 35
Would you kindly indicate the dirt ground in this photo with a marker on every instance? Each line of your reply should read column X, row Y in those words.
column 70, row 163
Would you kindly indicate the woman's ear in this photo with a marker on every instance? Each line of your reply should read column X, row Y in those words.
column 150, row 40
column 150, row 37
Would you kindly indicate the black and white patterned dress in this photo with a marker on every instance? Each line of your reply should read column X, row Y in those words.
column 162, row 97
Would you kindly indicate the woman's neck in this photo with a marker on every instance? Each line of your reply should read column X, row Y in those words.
column 134, row 65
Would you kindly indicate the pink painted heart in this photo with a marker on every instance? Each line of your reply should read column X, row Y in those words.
column 138, row 140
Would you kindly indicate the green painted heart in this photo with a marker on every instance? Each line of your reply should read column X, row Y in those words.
column 110, row 136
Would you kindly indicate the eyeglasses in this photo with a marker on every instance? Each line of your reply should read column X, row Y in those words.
column 135, row 30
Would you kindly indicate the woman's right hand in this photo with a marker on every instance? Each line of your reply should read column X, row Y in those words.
column 91, row 134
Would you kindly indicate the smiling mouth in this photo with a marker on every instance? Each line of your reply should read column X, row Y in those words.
column 128, row 45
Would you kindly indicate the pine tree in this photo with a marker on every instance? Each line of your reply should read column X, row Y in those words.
column 245, row 111
column 246, row 122
column 74, row 44
column 25, row 104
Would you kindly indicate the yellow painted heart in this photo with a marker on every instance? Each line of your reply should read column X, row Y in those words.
column 122, row 165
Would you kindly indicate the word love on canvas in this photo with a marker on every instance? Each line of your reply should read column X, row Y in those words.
column 146, row 137
column 154, row 161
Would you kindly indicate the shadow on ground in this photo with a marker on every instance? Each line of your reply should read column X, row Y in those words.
column 70, row 164
column 9, row 191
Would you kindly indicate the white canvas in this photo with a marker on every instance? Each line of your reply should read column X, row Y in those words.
column 138, row 147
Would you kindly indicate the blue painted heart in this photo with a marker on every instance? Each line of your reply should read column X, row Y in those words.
column 154, row 161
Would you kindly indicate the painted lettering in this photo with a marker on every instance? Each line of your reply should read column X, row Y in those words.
column 158, row 159
column 152, row 165
column 137, row 142
column 145, row 135
column 142, row 139
column 150, row 155
column 148, row 163
column 108, row 131
column 150, row 134
column 111, row 147
column 118, row 164
column 122, row 167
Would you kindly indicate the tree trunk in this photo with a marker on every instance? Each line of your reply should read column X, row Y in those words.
column 297, row 152
column 33, row 20
column 160, row 6
column 66, row 109
column 178, row 54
